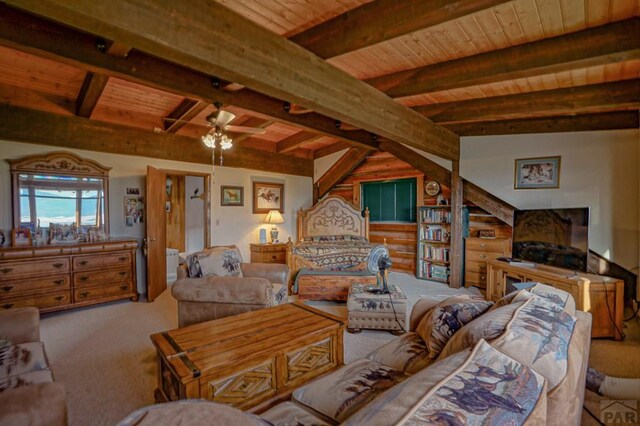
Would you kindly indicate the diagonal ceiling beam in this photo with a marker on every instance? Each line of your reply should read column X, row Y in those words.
column 383, row 20
column 251, row 55
column 593, row 98
column 615, row 42
column 182, row 114
column 345, row 165
column 27, row 125
column 33, row 35
column 90, row 92
column 294, row 141
column 578, row 123
column 329, row 149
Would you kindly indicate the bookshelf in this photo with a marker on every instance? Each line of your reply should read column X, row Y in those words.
column 434, row 235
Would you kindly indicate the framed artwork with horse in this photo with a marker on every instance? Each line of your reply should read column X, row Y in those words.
column 268, row 196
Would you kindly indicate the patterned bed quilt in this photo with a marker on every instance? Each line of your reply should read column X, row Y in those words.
column 336, row 252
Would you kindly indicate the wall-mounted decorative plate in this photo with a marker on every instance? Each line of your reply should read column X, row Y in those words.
column 431, row 188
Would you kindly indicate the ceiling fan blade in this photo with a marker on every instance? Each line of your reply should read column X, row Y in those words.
column 224, row 117
column 243, row 129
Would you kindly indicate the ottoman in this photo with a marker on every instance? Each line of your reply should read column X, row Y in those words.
column 376, row 311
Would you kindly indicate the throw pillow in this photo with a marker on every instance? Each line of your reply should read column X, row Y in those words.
column 223, row 261
column 446, row 318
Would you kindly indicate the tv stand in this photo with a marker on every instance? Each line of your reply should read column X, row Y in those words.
column 592, row 293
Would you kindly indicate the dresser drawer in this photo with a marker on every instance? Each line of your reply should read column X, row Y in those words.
column 475, row 266
column 88, row 262
column 270, row 257
column 84, row 294
column 480, row 256
column 54, row 265
column 478, row 279
column 54, row 282
column 487, row 245
column 114, row 276
column 42, row 301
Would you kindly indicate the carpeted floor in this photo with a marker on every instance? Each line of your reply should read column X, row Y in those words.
column 106, row 361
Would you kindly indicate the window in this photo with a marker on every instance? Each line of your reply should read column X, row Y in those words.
column 391, row 200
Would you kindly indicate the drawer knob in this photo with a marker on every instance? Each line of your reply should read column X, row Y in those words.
column 58, row 265
column 482, row 277
column 7, row 288
column 6, row 270
column 58, row 282
column 123, row 273
column 124, row 287
column 83, row 262
column 482, row 245
column 83, row 278
column 58, row 298
column 122, row 259
column 7, row 305
column 482, row 255
column 84, row 294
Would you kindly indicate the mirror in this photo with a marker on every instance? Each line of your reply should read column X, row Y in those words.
column 60, row 191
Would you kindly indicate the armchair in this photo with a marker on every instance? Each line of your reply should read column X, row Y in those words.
column 261, row 285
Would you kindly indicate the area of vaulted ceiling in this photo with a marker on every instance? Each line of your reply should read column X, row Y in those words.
column 248, row 54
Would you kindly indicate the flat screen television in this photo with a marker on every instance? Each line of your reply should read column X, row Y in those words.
column 557, row 237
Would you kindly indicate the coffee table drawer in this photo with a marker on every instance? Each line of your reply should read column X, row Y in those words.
column 254, row 384
column 308, row 362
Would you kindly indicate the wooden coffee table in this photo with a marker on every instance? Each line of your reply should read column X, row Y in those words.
column 248, row 360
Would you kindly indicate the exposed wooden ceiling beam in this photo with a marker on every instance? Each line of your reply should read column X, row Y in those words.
column 118, row 49
column 579, row 123
column 329, row 149
column 294, row 141
column 383, row 20
column 27, row 125
column 489, row 202
column 90, row 92
column 615, row 42
column 593, row 98
column 33, row 35
column 182, row 114
column 345, row 165
column 251, row 55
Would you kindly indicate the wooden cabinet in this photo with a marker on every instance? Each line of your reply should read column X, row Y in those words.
column 476, row 253
column 269, row 253
column 59, row 277
column 602, row 296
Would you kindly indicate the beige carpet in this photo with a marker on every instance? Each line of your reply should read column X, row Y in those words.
column 106, row 361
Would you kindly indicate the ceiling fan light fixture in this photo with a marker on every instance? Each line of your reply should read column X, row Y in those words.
column 209, row 140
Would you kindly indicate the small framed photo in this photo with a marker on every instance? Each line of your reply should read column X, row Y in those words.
column 21, row 237
column 231, row 195
column 537, row 173
column 268, row 196
column 133, row 191
column 487, row 233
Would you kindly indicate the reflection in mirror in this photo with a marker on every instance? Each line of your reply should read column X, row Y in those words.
column 68, row 200
column 61, row 197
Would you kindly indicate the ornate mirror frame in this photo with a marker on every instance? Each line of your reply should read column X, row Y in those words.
column 58, row 163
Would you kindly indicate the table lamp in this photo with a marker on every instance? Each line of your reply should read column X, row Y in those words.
column 274, row 217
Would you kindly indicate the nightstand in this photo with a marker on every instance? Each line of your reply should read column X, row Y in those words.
column 269, row 253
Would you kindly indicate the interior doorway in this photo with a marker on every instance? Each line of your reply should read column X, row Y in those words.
column 178, row 218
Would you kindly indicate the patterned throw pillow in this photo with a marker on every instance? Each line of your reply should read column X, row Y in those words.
column 223, row 261
column 446, row 318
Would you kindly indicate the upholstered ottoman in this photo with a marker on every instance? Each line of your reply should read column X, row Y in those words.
column 376, row 311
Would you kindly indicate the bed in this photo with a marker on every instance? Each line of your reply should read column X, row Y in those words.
column 331, row 252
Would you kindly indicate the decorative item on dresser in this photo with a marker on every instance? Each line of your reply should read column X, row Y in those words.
column 269, row 253
column 54, row 278
column 477, row 252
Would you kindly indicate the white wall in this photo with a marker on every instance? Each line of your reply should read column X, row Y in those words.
column 194, row 214
column 322, row 164
column 598, row 170
column 230, row 225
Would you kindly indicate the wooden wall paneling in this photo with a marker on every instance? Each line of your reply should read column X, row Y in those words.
column 25, row 125
column 293, row 73
column 176, row 216
column 401, row 241
column 457, row 243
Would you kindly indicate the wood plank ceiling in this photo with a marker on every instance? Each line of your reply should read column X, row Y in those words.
column 472, row 66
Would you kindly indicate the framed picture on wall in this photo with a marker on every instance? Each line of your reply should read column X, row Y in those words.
column 268, row 196
column 231, row 195
column 537, row 173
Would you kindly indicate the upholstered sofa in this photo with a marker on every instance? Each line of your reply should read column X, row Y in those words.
column 215, row 283
column 28, row 394
column 465, row 361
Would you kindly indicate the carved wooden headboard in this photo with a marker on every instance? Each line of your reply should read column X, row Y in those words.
column 332, row 216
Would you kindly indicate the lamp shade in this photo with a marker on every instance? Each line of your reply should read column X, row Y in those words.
column 274, row 217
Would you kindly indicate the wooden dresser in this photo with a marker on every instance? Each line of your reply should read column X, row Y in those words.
column 477, row 252
column 269, row 253
column 58, row 277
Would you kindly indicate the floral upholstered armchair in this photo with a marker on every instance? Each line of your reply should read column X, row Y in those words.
column 215, row 283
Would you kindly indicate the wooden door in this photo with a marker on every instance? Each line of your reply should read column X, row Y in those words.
column 156, row 233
